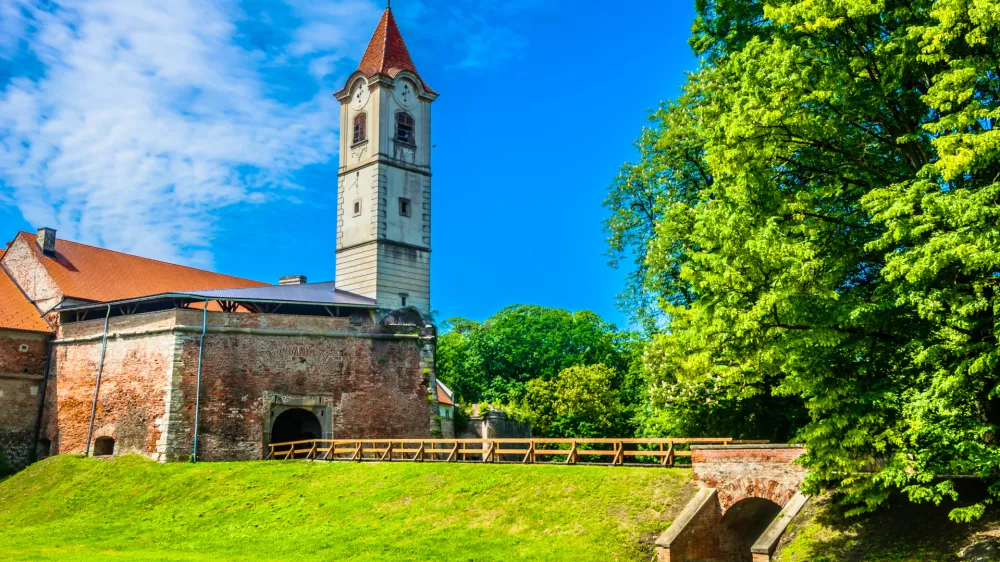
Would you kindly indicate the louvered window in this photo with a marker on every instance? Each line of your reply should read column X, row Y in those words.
column 404, row 128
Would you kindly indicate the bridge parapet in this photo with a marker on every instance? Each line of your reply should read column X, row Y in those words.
column 749, row 471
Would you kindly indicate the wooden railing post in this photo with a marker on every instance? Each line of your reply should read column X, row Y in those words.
column 668, row 459
column 529, row 456
column 571, row 457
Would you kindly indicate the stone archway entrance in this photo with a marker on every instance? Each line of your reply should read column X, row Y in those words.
column 296, row 424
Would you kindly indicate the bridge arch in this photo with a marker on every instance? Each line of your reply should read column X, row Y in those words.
column 743, row 523
column 747, row 492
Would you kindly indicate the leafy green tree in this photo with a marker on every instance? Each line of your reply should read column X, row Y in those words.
column 669, row 177
column 943, row 257
column 455, row 362
column 497, row 358
column 580, row 402
column 839, row 269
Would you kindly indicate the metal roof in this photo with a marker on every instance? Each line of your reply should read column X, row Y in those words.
column 323, row 294
column 306, row 293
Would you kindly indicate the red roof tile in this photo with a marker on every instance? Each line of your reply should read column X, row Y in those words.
column 387, row 53
column 16, row 311
column 95, row 274
column 443, row 398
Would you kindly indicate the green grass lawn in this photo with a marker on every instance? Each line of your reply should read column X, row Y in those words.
column 129, row 508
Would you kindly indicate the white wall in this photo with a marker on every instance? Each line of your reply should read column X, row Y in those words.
column 379, row 179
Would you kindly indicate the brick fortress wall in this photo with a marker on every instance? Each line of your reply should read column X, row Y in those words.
column 22, row 365
column 373, row 381
column 134, row 384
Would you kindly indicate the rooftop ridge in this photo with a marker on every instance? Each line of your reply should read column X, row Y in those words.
column 34, row 238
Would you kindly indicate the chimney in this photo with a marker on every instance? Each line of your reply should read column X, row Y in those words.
column 292, row 280
column 47, row 240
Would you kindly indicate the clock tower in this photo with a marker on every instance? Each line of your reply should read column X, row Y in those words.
column 384, row 181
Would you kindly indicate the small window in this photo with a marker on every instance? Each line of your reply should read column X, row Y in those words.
column 360, row 128
column 404, row 207
column 403, row 297
column 404, row 128
column 357, row 207
column 23, row 348
column 104, row 447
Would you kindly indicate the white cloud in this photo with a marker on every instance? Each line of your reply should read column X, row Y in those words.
column 149, row 116
column 475, row 33
column 333, row 26
column 131, row 124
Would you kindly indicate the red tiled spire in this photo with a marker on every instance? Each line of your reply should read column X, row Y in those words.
column 386, row 53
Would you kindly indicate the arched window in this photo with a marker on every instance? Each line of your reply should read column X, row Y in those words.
column 360, row 128
column 404, row 128
column 104, row 447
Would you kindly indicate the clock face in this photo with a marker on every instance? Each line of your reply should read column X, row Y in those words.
column 406, row 94
column 360, row 96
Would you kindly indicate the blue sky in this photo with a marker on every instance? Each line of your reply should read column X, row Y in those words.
column 205, row 132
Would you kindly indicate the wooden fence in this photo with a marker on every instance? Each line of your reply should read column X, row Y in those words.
column 605, row 451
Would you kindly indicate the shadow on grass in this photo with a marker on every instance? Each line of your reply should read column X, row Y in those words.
column 901, row 532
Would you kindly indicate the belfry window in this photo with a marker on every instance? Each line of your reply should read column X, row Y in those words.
column 360, row 128
column 404, row 128
column 404, row 207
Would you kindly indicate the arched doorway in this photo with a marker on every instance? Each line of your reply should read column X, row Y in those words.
column 296, row 424
column 743, row 523
column 104, row 447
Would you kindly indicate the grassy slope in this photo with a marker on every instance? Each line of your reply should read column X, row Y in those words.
column 903, row 533
column 69, row 508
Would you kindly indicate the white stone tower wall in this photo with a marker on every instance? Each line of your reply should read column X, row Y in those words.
column 381, row 253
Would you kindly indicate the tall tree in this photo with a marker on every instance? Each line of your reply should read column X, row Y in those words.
column 943, row 243
column 669, row 177
column 523, row 342
column 499, row 360
column 843, row 257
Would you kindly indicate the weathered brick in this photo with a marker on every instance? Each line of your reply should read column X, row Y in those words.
column 767, row 472
column 373, row 380
column 22, row 364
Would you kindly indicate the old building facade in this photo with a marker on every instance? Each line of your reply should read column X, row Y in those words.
column 106, row 353
column 24, row 339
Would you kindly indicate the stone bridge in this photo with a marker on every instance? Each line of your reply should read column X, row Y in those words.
column 749, row 494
